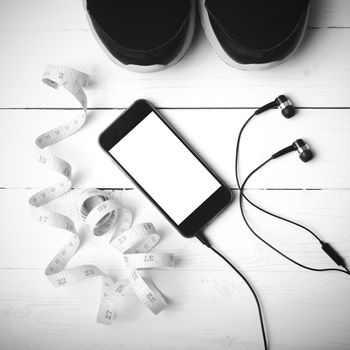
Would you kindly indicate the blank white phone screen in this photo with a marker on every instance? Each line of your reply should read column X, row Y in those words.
column 165, row 168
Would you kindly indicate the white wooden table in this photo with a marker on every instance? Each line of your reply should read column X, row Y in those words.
column 210, row 306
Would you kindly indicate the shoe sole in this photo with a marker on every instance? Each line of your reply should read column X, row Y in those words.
column 154, row 67
column 214, row 42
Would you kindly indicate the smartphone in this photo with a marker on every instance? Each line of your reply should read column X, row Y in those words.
column 165, row 168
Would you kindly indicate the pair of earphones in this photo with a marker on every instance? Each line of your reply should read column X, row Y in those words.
column 288, row 111
column 305, row 154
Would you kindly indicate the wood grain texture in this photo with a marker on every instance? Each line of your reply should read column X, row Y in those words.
column 28, row 244
column 212, row 133
column 209, row 305
column 201, row 79
column 208, row 310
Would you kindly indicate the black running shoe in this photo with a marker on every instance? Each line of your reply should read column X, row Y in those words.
column 142, row 35
column 254, row 34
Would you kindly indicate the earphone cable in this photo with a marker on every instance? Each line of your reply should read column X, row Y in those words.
column 251, row 289
column 251, row 202
column 238, row 145
column 270, row 213
column 241, row 196
column 205, row 241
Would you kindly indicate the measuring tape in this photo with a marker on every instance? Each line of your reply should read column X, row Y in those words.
column 100, row 212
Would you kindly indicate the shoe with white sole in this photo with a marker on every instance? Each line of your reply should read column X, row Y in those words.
column 254, row 34
column 142, row 35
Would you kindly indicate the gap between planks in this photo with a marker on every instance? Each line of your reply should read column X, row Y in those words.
column 231, row 188
column 159, row 107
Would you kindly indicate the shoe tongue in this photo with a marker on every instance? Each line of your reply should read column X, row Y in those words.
column 139, row 24
column 257, row 23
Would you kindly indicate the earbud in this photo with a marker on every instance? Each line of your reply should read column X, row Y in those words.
column 282, row 102
column 286, row 106
column 305, row 153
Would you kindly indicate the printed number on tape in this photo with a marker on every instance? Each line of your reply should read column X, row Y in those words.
column 101, row 213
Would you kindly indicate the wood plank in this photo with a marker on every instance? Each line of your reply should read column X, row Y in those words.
column 28, row 244
column 207, row 311
column 32, row 311
column 210, row 307
column 317, row 75
column 212, row 133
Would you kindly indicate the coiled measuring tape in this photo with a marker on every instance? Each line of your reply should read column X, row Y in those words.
column 100, row 211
